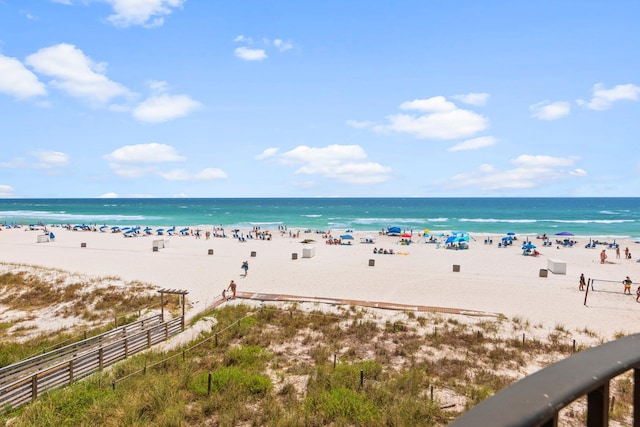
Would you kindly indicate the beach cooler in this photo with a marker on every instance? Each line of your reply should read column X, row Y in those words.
column 556, row 266
column 309, row 252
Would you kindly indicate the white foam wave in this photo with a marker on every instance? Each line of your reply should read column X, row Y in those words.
column 495, row 220
column 63, row 216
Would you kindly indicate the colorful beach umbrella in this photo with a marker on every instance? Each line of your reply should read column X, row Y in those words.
column 564, row 233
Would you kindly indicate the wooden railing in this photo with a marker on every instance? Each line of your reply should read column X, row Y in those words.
column 44, row 373
column 537, row 399
column 39, row 362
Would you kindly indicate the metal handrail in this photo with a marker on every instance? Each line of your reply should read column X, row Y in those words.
column 536, row 399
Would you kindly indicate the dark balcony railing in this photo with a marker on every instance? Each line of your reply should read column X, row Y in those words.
column 536, row 399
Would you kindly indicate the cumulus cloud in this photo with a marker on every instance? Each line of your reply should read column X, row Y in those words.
column 75, row 73
column 529, row 171
column 282, row 45
column 164, row 107
column 603, row 98
column 145, row 153
column 547, row 110
column 437, row 118
column 475, row 143
column 110, row 195
column 50, row 159
column 479, row 99
column 344, row 163
column 207, row 174
column 6, row 191
column 16, row 80
column 269, row 152
column 136, row 161
column 146, row 13
column 248, row 54
column 255, row 54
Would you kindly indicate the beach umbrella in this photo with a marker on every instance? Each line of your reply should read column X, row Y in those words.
column 346, row 237
column 426, row 231
column 406, row 235
column 529, row 246
column 511, row 233
column 564, row 233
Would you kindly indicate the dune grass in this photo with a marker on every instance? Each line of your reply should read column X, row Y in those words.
column 282, row 366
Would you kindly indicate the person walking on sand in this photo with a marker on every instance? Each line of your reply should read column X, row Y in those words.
column 245, row 267
column 232, row 287
column 582, row 282
column 627, row 285
column 617, row 251
column 638, row 294
column 626, row 252
column 603, row 256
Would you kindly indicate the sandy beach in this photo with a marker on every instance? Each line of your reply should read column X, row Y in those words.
column 490, row 278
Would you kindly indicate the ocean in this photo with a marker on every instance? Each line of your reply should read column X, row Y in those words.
column 616, row 217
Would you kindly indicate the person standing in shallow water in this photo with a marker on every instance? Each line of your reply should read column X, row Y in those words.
column 582, row 282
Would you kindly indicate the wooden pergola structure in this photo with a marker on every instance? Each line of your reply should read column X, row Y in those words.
column 180, row 292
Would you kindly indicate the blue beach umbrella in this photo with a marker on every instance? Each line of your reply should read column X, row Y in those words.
column 511, row 233
column 346, row 237
column 529, row 246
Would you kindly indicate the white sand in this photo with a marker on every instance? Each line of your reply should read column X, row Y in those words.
column 492, row 279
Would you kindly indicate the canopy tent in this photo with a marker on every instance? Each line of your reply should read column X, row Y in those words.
column 394, row 231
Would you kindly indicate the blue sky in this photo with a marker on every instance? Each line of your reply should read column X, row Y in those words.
column 188, row 98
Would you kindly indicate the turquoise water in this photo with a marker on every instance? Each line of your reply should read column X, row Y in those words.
column 580, row 216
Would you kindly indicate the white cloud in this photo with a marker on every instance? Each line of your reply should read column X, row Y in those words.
column 247, row 54
column 436, row 104
column 475, row 143
column 109, row 196
column 164, row 107
column 479, row 99
column 603, row 99
column 442, row 120
column 75, row 73
column 145, row 153
column 136, row 161
column 158, row 86
column 359, row 125
column 208, row 174
column 282, row 45
column 50, row 159
column 534, row 161
column 269, row 152
column 43, row 159
column 147, row 13
column 547, row 110
column 344, row 163
column 446, row 125
column 530, row 171
column 6, row 190
column 18, row 81
column 243, row 39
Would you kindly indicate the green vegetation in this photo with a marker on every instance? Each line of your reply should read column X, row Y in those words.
column 285, row 367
